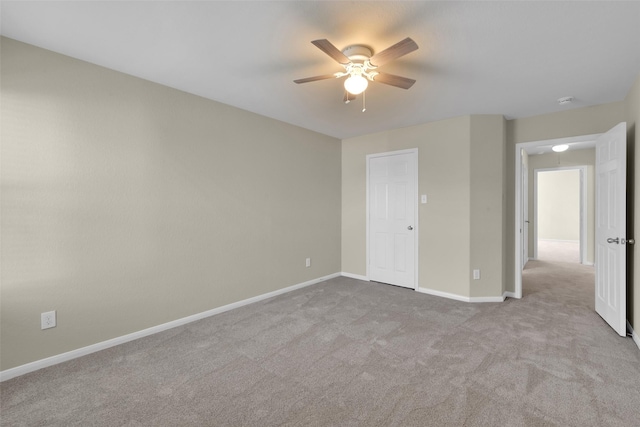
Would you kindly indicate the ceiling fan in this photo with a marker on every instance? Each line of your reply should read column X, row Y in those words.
column 361, row 66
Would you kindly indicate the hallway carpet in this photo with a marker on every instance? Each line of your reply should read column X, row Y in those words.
column 351, row 353
column 558, row 251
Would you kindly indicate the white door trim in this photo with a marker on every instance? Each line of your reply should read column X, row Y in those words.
column 518, row 199
column 583, row 208
column 524, row 188
column 416, row 227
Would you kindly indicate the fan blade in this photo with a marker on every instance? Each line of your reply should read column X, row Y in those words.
column 328, row 48
column 393, row 80
column 348, row 97
column 315, row 78
column 396, row 51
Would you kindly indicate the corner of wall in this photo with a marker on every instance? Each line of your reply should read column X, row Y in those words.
column 487, row 204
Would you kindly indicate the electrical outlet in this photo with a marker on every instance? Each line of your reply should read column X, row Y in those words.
column 48, row 320
column 476, row 274
column 308, row 262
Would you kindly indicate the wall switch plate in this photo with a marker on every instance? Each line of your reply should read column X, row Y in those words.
column 48, row 320
column 308, row 262
column 476, row 274
column 423, row 198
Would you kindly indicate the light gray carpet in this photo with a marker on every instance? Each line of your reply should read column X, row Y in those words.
column 553, row 250
column 352, row 353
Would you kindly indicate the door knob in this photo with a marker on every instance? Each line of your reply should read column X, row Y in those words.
column 409, row 228
column 610, row 240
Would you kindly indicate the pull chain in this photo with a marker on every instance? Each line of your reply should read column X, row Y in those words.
column 364, row 97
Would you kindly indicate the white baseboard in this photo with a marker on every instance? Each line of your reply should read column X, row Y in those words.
column 634, row 336
column 459, row 297
column 507, row 294
column 355, row 276
column 487, row 299
column 74, row 354
column 442, row 294
column 589, row 264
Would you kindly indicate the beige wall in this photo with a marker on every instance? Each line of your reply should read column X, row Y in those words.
column 585, row 157
column 576, row 122
column 487, row 203
column 632, row 103
column 558, row 205
column 126, row 204
column 443, row 175
column 460, row 221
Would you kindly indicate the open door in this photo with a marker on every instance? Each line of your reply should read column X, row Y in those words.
column 611, row 209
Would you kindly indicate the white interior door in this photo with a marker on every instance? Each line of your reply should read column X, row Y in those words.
column 611, row 206
column 392, row 193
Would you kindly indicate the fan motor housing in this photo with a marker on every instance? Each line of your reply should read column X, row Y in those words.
column 357, row 52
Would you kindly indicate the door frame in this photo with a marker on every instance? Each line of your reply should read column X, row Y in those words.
column 524, row 188
column 416, row 227
column 583, row 208
column 518, row 199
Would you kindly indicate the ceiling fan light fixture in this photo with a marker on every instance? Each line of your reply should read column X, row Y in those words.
column 356, row 84
column 359, row 66
column 560, row 148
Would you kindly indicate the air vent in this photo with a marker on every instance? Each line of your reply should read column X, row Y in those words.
column 565, row 100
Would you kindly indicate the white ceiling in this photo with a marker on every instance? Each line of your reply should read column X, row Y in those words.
column 512, row 58
column 574, row 145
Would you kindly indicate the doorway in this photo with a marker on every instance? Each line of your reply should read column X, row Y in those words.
column 522, row 159
column 610, row 220
column 560, row 212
